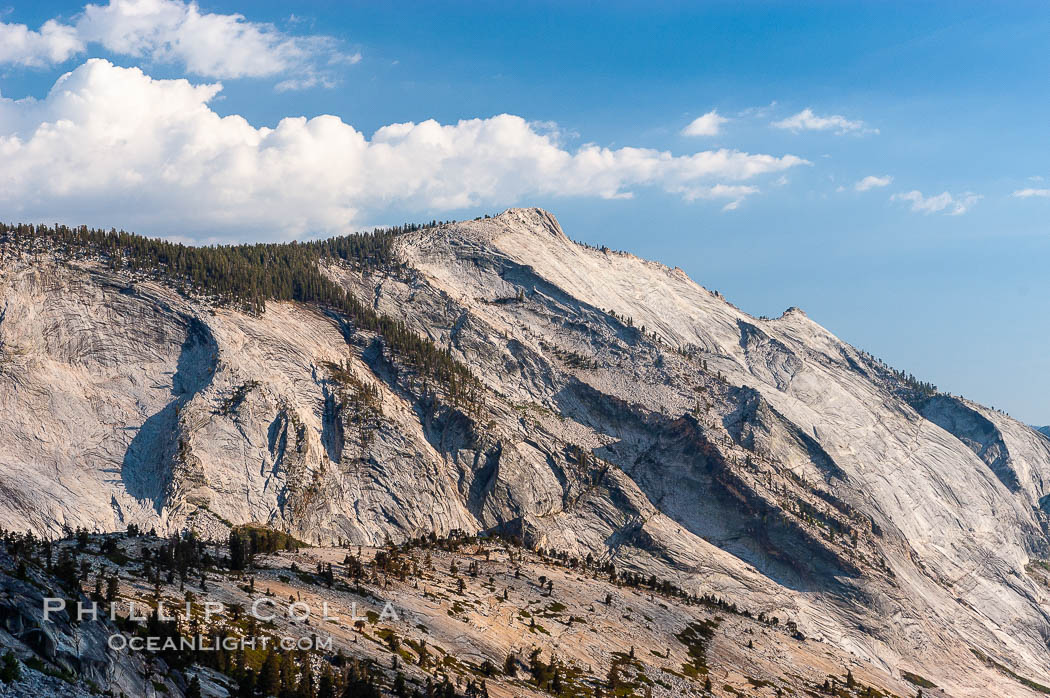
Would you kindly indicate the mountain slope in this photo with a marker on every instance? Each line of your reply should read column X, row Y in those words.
column 621, row 411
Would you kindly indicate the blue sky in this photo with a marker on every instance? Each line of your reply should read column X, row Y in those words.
column 938, row 266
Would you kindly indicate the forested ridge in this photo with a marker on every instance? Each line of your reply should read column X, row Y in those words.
column 248, row 275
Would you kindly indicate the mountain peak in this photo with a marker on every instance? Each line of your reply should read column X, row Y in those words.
column 533, row 220
column 503, row 379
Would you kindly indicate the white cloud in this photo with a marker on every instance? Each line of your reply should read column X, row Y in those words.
column 954, row 205
column 759, row 112
column 54, row 43
column 872, row 182
column 806, row 120
column 1028, row 193
column 707, row 125
column 172, row 31
column 111, row 146
column 736, row 193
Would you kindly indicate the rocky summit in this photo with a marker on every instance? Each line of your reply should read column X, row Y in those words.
column 494, row 380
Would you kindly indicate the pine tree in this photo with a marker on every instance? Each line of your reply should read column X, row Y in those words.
column 326, row 689
column 10, row 669
column 270, row 676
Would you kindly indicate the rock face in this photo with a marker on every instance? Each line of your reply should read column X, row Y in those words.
column 625, row 412
column 76, row 648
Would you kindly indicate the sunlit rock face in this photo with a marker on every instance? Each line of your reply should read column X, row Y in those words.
column 625, row 412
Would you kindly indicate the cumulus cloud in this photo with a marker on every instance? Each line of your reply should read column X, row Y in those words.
column 1029, row 193
column 172, row 31
column 54, row 43
column 953, row 205
column 710, row 124
column 112, row 146
column 806, row 120
column 873, row 182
